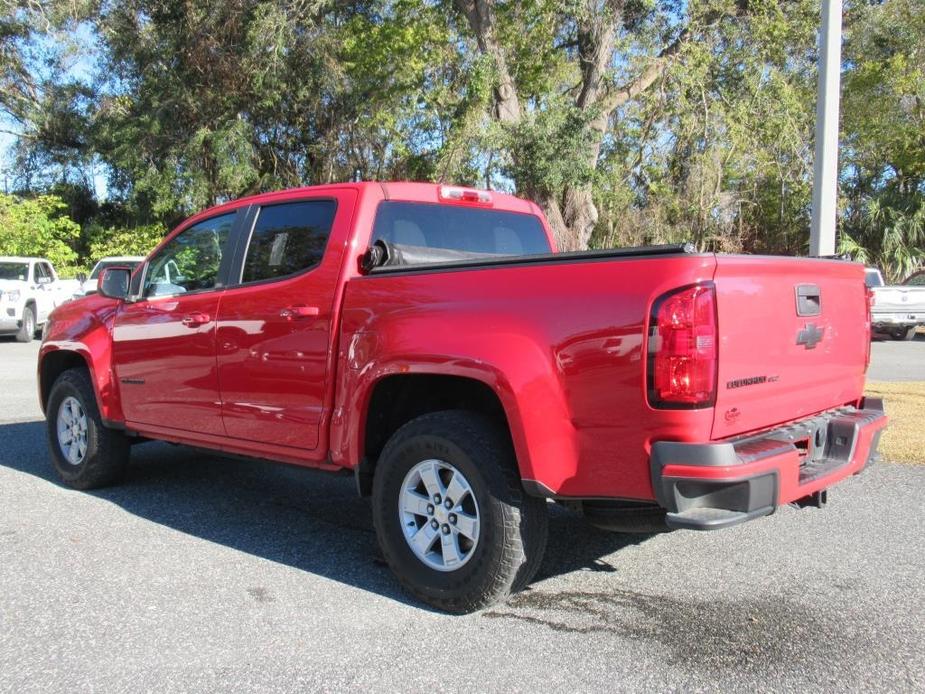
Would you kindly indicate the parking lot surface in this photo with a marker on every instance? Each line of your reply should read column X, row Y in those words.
column 897, row 360
column 202, row 573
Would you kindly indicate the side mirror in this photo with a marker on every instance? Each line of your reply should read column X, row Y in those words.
column 113, row 282
column 81, row 277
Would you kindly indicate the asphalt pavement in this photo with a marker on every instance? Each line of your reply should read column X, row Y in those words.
column 897, row 360
column 201, row 573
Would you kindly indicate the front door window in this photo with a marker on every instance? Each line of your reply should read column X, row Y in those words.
column 189, row 262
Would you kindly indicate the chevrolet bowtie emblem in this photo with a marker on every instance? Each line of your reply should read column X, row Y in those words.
column 810, row 336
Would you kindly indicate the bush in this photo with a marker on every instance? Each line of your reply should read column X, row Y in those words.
column 38, row 226
column 114, row 241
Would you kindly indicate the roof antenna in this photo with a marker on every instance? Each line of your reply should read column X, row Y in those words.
column 357, row 175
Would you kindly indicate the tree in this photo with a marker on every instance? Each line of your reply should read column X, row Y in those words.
column 38, row 227
column 883, row 128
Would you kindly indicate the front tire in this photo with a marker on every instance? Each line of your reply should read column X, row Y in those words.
column 85, row 453
column 27, row 327
column 464, row 553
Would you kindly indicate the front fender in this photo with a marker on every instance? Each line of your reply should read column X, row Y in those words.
column 82, row 329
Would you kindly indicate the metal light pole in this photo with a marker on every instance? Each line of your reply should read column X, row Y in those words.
column 825, row 164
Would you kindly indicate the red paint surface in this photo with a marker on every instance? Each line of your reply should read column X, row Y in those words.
column 562, row 344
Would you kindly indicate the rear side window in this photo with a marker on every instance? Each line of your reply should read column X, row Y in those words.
column 872, row 279
column 288, row 238
column 455, row 228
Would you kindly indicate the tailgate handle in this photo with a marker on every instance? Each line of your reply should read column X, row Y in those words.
column 809, row 300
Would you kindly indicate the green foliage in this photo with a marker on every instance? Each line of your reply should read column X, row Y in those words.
column 194, row 103
column 110, row 241
column 884, row 135
column 38, row 227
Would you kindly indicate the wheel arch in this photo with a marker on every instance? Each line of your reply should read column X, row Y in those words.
column 54, row 361
column 396, row 398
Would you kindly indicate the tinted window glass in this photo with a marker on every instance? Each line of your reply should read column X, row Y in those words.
column 190, row 261
column 917, row 280
column 14, row 271
column 457, row 228
column 46, row 271
column 872, row 279
column 288, row 238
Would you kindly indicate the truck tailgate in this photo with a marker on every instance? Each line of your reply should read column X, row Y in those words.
column 794, row 339
column 899, row 299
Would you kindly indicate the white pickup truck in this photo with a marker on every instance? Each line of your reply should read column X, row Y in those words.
column 897, row 309
column 29, row 290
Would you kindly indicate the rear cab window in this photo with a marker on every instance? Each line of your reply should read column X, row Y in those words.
column 432, row 233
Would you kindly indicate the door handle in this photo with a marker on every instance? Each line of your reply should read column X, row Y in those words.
column 293, row 312
column 195, row 319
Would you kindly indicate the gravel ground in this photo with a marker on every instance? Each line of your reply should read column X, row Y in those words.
column 202, row 573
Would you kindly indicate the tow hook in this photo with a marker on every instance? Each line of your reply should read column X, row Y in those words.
column 814, row 500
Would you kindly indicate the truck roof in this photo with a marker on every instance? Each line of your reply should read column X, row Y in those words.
column 407, row 191
column 22, row 259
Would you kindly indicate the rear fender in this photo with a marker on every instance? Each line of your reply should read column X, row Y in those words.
column 545, row 442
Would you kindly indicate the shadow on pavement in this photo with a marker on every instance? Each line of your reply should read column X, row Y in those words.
column 309, row 520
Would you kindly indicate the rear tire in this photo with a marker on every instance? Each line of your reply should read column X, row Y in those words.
column 456, row 450
column 903, row 333
column 85, row 453
column 27, row 327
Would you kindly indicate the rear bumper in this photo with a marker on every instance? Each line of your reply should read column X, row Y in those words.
column 715, row 485
column 896, row 319
column 9, row 324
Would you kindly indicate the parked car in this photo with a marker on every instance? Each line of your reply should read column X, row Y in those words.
column 29, row 291
column 88, row 285
column 429, row 340
column 897, row 310
column 916, row 279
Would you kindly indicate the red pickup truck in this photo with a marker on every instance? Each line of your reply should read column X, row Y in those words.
column 430, row 340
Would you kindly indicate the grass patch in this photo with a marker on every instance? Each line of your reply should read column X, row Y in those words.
column 904, row 439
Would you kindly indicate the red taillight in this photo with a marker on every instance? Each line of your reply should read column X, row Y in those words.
column 470, row 195
column 682, row 348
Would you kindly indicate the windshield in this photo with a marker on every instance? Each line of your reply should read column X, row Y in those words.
column 14, row 271
column 103, row 264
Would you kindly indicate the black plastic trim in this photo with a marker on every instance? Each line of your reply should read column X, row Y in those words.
column 705, row 504
column 806, row 307
column 537, row 259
